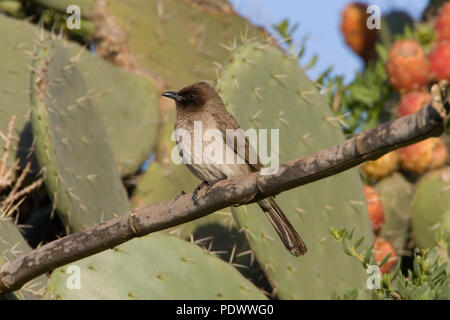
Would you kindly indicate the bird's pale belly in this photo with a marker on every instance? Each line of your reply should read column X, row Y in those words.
column 207, row 166
column 212, row 172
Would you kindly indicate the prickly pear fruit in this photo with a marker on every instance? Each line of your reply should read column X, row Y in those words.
column 407, row 66
column 440, row 61
column 412, row 102
column 442, row 23
column 375, row 207
column 381, row 167
column 381, row 249
column 424, row 155
column 354, row 28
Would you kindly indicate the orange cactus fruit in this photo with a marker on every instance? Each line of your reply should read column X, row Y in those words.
column 407, row 66
column 381, row 167
column 357, row 35
column 381, row 249
column 424, row 155
column 412, row 102
column 375, row 208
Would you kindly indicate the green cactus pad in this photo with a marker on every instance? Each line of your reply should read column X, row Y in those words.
column 431, row 199
column 128, row 105
column 164, row 267
column 395, row 193
column 13, row 245
column 11, row 7
column 127, row 102
column 16, row 45
column 264, row 88
column 86, row 6
column 71, row 143
column 179, row 41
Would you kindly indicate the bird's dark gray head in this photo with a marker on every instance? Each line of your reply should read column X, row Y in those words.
column 196, row 95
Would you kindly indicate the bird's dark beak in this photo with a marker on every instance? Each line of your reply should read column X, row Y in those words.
column 173, row 95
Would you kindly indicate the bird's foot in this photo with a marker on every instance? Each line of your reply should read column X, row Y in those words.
column 194, row 194
column 207, row 184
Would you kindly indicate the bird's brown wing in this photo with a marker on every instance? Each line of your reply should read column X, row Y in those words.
column 238, row 141
column 283, row 227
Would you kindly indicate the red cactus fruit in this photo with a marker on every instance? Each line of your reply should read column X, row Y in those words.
column 375, row 208
column 442, row 24
column 412, row 102
column 354, row 28
column 440, row 61
column 440, row 154
column 424, row 155
column 407, row 66
column 381, row 249
column 381, row 167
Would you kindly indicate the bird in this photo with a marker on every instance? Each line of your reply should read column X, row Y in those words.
column 199, row 103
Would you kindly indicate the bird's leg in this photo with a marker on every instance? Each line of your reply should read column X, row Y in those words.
column 194, row 194
column 209, row 184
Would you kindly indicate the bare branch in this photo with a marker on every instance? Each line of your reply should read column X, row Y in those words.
column 369, row 145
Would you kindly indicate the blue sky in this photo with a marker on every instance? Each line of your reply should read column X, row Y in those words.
column 319, row 20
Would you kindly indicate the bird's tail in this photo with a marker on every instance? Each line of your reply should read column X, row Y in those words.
column 285, row 230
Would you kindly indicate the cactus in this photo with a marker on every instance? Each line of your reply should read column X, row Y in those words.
column 11, row 7
column 53, row 14
column 431, row 199
column 72, row 148
column 86, row 6
column 13, row 245
column 267, row 89
column 164, row 267
column 71, row 143
column 16, row 41
column 177, row 40
column 128, row 107
column 127, row 102
column 395, row 193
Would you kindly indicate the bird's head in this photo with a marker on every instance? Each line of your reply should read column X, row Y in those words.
column 196, row 95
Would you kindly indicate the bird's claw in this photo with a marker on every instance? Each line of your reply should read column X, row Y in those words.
column 208, row 185
column 194, row 194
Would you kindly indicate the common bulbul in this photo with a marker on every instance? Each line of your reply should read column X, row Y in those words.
column 200, row 103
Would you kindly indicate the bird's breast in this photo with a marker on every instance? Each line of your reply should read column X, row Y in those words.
column 204, row 151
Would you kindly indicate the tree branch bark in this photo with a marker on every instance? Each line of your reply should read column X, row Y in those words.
column 368, row 145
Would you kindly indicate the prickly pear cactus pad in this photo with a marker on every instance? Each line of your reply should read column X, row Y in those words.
column 165, row 268
column 71, row 143
column 13, row 245
column 127, row 102
column 431, row 199
column 265, row 89
column 395, row 193
column 179, row 41
column 128, row 107
column 86, row 6
column 14, row 77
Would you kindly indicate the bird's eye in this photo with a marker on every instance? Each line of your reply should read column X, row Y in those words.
column 192, row 95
